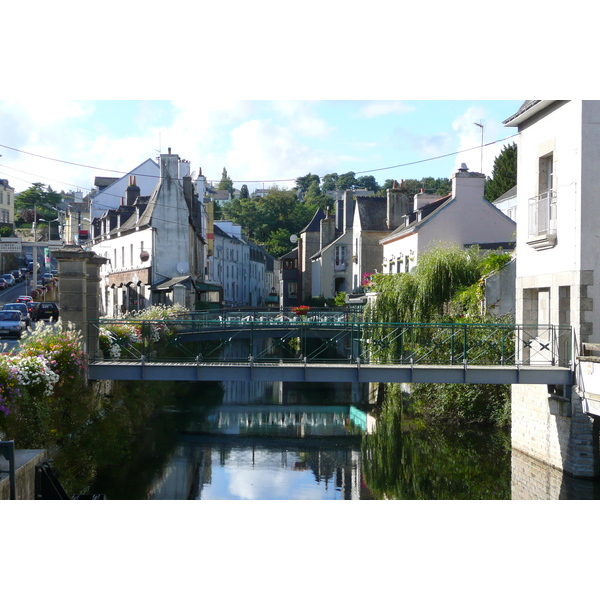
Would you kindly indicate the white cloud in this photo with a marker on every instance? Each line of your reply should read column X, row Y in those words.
column 469, row 137
column 381, row 108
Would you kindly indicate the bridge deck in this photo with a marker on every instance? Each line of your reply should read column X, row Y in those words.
column 329, row 372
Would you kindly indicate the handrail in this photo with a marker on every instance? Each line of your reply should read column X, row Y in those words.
column 318, row 339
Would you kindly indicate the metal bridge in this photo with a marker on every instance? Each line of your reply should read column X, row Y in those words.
column 327, row 346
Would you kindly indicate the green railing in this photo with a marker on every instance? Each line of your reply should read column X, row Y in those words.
column 328, row 336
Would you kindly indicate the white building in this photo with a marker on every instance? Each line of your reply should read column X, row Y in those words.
column 110, row 191
column 558, row 277
column 155, row 244
column 463, row 217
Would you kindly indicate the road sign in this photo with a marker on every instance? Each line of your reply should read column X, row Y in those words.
column 11, row 245
column 55, row 243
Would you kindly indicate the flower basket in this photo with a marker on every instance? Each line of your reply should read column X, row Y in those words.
column 301, row 310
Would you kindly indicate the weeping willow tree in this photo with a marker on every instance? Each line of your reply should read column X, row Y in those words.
column 446, row 286
column 424, row 294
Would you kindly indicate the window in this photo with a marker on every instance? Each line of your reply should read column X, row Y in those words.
column 340, row 258
column 292, row 289
column 542, row 208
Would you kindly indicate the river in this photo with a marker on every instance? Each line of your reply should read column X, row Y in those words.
column 281, row 441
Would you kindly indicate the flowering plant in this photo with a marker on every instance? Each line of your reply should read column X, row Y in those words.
column 301, row 310
column 367, row 279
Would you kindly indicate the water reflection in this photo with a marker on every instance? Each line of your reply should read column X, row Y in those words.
column 269, row 441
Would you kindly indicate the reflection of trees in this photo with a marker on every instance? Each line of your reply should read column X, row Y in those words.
column 433, row 463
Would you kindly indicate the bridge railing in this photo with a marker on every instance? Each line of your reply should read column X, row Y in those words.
column 333, row 337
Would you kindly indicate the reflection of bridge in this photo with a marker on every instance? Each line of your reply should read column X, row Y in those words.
column 329, row 346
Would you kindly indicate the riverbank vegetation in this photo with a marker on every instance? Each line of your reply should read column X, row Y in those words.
column 447, row 286
column 89, row 428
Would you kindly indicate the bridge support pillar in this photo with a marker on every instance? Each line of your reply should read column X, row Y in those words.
column 79, row 275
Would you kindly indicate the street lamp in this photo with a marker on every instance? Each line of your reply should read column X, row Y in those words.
column 48, row 221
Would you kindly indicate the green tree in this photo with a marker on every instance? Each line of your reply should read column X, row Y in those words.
column 346, row 181
column 226, row 183
column 38, row 199
column 329, row 182
column 369, row 182
column 504, row 173
column 244, row 193
column 304, row 183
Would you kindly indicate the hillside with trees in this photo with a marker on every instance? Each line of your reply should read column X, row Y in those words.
column 272, row 219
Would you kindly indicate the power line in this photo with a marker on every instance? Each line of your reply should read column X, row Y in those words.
column 408, row 164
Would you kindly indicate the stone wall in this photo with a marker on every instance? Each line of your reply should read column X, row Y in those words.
column 553, row 430
column 25, row 463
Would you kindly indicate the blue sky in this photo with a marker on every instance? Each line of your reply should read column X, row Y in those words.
column 270, row 142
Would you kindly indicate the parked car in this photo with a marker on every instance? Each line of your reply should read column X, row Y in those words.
column 9, row 279
column 3, row 283
column 44, row 310
column 30, row 306
column 22, row 308
column 24, row 299
column 12, row 323
column 47, row 277
column 16, row 273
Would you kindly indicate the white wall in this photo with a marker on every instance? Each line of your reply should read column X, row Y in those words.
column 147, row 176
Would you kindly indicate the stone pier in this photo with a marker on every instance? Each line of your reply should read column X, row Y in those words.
column 79, row 276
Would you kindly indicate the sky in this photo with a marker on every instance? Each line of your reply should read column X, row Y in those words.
column 67, row 143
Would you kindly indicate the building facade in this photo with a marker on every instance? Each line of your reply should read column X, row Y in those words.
column 557, row 277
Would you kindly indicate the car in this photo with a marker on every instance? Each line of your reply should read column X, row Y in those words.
column 45, row 310
column 9, row 279
column 30, row 306
column 17, row 275
column 12, row 323
column 22, row 308
column 47, row 277
column 3, row 284
column 54, row 272
column 24, row 299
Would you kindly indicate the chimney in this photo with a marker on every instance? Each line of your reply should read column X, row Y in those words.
column 398, row 205
column 133, row 191
column 169, row 166
column 467, row 186
column 327, row 231
column 348, row 212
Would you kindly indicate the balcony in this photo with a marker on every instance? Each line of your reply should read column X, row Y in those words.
column 542, row 221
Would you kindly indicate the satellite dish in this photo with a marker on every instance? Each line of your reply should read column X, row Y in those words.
column 293, row 238
column 183, row 267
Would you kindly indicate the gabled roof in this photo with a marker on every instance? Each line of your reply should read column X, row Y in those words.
column 315, row 223
column 508, row 194
column 526, row 111
column 372, row 213
column 428, row 212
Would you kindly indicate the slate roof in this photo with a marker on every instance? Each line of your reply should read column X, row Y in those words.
column 315, row 224
column 427, row 213
column 524, row 107
column 509, row 194
column 372, row 212
column 103, row 182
